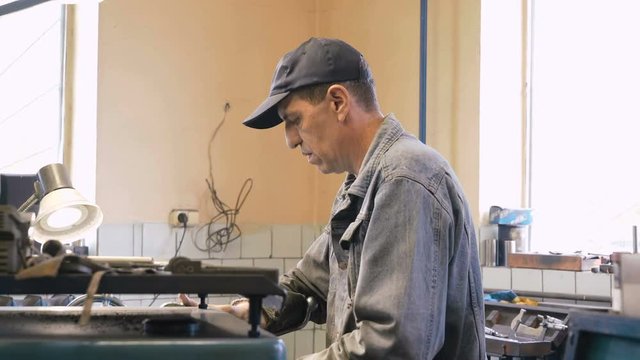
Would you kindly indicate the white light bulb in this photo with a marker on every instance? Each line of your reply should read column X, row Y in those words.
column 64, row 217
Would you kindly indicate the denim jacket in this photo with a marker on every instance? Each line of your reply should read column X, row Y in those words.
column 396, row 271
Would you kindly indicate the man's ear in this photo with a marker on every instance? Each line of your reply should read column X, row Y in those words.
column 339, row 97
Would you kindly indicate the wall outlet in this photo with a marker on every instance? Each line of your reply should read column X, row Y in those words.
column 193, row 217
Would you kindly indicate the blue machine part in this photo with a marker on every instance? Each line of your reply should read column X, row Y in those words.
column 503, row 216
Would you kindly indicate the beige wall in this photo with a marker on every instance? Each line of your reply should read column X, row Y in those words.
column 166, row 69
column 453, row 88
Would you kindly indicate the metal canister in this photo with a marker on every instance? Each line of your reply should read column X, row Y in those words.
column 490, row 252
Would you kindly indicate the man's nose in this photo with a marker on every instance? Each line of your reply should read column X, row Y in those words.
column 291, row 136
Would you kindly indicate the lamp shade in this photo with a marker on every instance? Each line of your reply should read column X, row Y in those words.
column 65, row 215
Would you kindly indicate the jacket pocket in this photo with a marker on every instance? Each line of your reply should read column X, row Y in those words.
column 352, row 240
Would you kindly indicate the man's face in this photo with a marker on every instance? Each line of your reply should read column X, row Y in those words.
column 313, row 128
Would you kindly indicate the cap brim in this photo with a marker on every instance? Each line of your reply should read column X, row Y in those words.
column 266, row 115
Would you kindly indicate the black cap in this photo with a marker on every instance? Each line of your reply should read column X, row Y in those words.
column 316, row 61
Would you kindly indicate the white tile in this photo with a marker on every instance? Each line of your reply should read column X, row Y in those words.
column 290, row 344
column 187, row 248
column 561, row 282
column 526, row 279
column 319, row 340
column 498, row 278
column 157, row 241
column 256, row 243
column 287, row 241
column 238, row 262
column 211, row 262
column 304, row 342
column 137, row 239
column 290, row 264
column 310, row 326
column 588, row 283
column 309, row 234
column 270, row 264
column 115, row 240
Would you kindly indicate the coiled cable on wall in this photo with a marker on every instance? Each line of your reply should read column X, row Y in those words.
column 222, row 228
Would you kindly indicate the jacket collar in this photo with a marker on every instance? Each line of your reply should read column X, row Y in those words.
column 388, row 133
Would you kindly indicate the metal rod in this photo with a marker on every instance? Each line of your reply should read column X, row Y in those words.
column 422, row 112
column 550, row 295
column 28, row 204
column 19, row 5
column 635, row 239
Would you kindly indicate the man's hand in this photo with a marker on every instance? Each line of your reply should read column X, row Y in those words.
column 187, row 301
column 239, row 309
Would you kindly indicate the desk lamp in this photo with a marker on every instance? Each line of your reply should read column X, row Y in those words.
column 64, row 214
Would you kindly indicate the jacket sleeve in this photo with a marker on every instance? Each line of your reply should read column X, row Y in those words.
column 399, row 300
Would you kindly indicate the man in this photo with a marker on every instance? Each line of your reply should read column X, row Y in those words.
column 396, row 272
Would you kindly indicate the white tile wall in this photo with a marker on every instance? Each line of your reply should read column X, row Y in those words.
column 137, row 239
column 548, row 281
column 290, row 263
column 212, row 262
column 237, row 262
column 290, row 342
column 319, row 340
column 187, row 248
column 588, row 283
column 496, row 278
column 270, row 264
column 158, row 241
column 286, row 241
column 256, row 243
column 116, row 240
column 562, row 282
column 304, row 342
column 526, row 279
column 309, row 233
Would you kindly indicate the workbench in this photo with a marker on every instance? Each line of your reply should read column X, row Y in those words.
column 141, row 333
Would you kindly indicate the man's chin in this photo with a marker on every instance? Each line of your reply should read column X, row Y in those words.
column 323, row 169
column 326, row 171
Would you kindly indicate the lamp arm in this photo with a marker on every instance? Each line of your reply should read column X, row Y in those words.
column 28, row 204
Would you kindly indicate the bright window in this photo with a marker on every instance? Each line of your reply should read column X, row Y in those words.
column 585, row 121
column 31, row 73
column 559, row 119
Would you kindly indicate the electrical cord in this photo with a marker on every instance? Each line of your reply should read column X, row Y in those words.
column 184, row 220
column 218, row 237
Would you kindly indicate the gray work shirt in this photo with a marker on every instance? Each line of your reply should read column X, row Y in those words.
column 396, row 271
